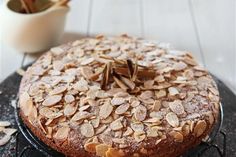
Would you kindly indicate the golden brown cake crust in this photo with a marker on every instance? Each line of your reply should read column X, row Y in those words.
column 118, row 97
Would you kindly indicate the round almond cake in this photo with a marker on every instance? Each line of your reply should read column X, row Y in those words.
column 118, row 97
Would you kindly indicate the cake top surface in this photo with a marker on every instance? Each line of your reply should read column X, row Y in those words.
column 118, row 92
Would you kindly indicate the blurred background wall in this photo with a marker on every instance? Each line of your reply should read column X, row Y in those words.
column 204, row 27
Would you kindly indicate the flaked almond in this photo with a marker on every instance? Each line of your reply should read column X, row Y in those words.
column 200, row 128
column 26, row 103
column 100, row 129
column 62, row 133
column 58, row 90
column 81, row 115
column 87, row 72
column 105, row 110
column 148, row 84
column 173, row 91
column 4, row 140
column 69, row 110
column 177, row 136
column 95, row 122
column 177, row 107
column 101, row 150
column 117, row 101
column 160, row 94
column 140, row 113
column 156, row 105
column 152, row 132
column 139, row 136
column 118, row 140
column 128, row 132
column 128, row 82
column 179, row 66
column 52, row 100
column 69, row 98
column 146, row 95
column 172, row 119
column 137, row 127
column 86, row 129
column 57, row 50
column 48, row 113
column 91, row 147
column 87, row 61
column 83, row 108
column 135, row 103
column 122, row 108
column 116, row 125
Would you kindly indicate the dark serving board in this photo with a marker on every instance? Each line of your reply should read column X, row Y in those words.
column 8, row 94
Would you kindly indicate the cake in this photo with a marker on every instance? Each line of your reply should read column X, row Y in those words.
column 118, row 97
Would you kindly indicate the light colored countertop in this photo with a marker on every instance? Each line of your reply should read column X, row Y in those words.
column 206, row 28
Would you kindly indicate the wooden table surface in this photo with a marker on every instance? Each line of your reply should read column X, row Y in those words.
column 204, row 27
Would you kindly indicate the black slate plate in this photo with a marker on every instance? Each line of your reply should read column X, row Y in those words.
column 8, row 94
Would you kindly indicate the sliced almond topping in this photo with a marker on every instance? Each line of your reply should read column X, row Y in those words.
column 118, row 140
column 200, row 128
column 52, row 100
column 47, row 112
column 26, row 103
column 87, row 72
column 137, row 127
column 87, row 61
column 179, row 66
column 57, row 50
column 100, row 129
column 122, row 108
column 128, row 82
column 101, row 150
column 177, row 107
column 156, row 105
column 152, row 132
column 140, row 113
column 139, row 136
column 69, row 110
column 81, row 115
column 172, row 119
column 160, row 94
column 177, row 136
column 148, row 84
column 116, row 125
column 95, row 122
column 69, row 98
column 120, row 84
column 87, row 130
column 62, row 133
column 58, row 90
column 173, row 91
column 91, row 147
column 128, row 132
column 146, row 95
column 105, row 110
column 117, row 101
